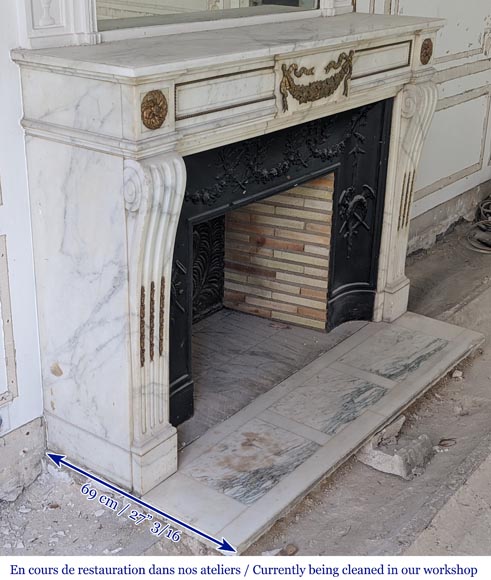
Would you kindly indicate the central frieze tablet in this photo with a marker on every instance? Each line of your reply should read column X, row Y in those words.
column 318, row 89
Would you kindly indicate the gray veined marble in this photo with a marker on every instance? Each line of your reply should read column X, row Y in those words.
column 257, row 463
column 248, row 464
column 394, row 353
column 330, row 401
column 237, row 357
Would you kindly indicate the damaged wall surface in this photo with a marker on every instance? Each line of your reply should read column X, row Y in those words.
column 455, row 168
column 20, row 375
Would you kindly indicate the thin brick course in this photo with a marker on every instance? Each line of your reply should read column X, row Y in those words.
column 277, row 255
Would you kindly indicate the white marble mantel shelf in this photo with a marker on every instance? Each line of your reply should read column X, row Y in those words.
column 166, row 55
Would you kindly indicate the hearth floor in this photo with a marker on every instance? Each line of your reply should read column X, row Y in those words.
column 237, row 357
column 243, row 474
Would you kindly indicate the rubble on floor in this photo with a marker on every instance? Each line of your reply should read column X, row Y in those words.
column 384, row 453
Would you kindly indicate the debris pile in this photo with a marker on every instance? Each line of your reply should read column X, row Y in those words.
column 384, row 453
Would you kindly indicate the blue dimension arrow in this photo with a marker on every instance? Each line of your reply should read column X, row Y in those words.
column 223, row 545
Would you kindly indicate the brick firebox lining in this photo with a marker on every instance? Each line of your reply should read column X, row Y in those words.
column 277, row 255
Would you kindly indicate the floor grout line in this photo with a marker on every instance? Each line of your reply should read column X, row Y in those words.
column 354, row 411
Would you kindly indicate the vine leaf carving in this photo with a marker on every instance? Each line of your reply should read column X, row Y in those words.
column 208, row 267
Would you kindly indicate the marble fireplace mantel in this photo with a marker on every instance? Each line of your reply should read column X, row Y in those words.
column 106, row 129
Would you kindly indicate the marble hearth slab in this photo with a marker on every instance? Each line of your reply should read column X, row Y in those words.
column 249, row 470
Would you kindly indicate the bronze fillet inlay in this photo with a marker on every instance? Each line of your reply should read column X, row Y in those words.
column 316, row 90
column 152, row 321
column 142, row 327
column 161, row 316
column 154, row 110
column 426, row 51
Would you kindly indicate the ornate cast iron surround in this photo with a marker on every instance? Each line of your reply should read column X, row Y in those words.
column 208, row 267
column 354, row 145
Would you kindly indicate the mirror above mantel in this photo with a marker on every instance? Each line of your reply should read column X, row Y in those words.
column 119, row 14
column 57, row 23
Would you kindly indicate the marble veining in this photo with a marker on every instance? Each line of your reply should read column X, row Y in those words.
column 84, row 349
column 168, row 53
column 237, row 357
column 395, row 353
column 330, row 401
column 248, row 464
column 81, row 103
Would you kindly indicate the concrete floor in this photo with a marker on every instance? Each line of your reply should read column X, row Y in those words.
column 463, row 526
column 450, row 283
column 358, row 510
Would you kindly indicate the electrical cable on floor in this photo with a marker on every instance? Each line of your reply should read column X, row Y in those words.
column 478, row 237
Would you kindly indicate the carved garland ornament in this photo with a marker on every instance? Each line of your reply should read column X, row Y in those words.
column 316, row 90
column 244, row 164
column 154, row 110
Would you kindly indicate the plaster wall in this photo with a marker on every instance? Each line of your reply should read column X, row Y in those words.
column 456, row 157
column 20, row 377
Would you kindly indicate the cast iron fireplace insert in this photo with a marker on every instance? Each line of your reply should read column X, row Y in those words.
column 355, row 146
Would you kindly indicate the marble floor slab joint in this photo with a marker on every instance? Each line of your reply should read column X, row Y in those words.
column 247, row 471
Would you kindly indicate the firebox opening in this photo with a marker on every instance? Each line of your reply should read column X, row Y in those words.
column 260, row 294
column 257, row 215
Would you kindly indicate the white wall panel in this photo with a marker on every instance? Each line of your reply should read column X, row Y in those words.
column 466, row 23
column 458, row 147
column 8, row 376
column 464, row 84
column 454, row 142
column 19, row 363
column 4, row 386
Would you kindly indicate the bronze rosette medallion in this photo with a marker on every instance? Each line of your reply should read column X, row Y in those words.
column 154, row 109
column 426, row 51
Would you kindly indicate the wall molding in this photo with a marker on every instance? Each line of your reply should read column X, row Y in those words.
column 448, row 103
column 46, row 23
column 462, row 70
column 7, row 329
column 434, row 200
column 393, row 7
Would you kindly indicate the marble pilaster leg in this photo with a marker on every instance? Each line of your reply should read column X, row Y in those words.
column 154, row 191
column 413, row 111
